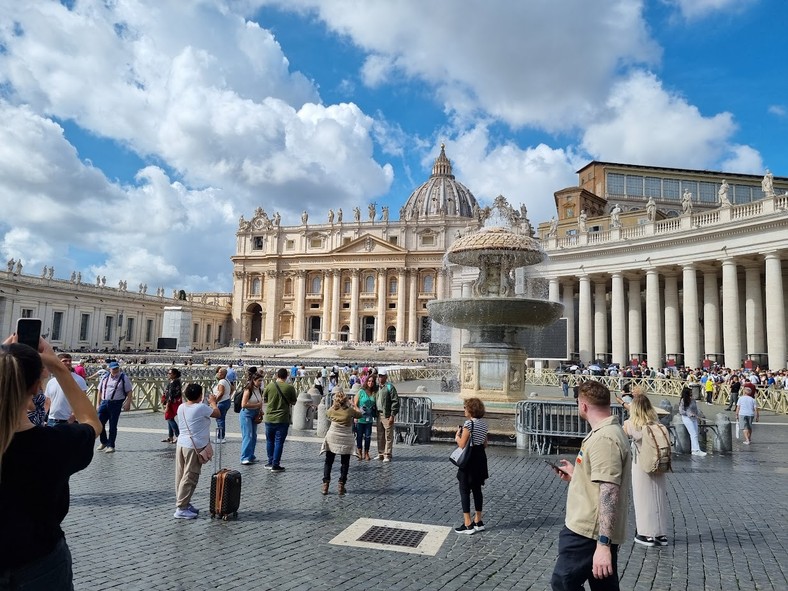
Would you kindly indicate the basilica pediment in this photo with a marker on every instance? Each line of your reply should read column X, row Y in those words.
column 369, row 244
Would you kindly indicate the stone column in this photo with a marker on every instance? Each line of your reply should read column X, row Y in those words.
column 413, row 335
column 401, row 279
column 690, row 300
column 654, row 353
column 300, row 298
column 335, row 304
column 672, row 319
column 585, row 319
column 635, row 318
column 272, row 307
column 731, row 331
column 440, row 283
column 753, row 309
column 354, row 298
column 569, row 314
column 618, row 320
column 554, row 291
column 326, row 319
column 711, row 313
column 600, row 321
column 775, row 311
column 380, row 322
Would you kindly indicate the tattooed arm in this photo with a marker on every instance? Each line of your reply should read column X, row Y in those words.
column 608, row 515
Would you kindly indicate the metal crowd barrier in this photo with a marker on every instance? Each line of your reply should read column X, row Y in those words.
column 414, row 419
column 543, row 423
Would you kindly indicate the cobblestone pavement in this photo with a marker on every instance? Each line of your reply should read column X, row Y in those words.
column 728, row 532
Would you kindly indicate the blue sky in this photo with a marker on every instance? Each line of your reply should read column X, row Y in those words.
column 134, row 134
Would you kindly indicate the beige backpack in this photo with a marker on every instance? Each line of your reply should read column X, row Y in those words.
column 655, row 451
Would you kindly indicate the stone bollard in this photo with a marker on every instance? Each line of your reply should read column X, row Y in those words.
column 314, row 394
column 723, row 439
column 668, row 407
column 301, row 419
column 322, row 419
column 682, row 444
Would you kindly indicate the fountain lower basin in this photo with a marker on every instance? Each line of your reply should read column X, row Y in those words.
column 485, row 313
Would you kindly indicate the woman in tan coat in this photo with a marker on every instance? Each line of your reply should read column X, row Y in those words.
column 649, row 490
column 339, row 440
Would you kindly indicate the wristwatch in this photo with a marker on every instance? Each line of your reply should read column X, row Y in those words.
column 604, row 540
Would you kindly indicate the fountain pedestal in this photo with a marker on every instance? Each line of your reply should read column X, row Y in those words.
column 493, row 373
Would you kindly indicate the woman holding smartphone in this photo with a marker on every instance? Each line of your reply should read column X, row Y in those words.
column 472, row 477
column 35, row 494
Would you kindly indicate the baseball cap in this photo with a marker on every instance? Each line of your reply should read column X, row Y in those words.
column 383, row 372
column 113, row 365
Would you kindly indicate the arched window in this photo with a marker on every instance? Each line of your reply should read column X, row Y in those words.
column 391, row 334
column 346, row 287
column 288, row 287
column 393, row 286
column 315, row 284
column 369, row 284
column 256, row 286
column 429, row 283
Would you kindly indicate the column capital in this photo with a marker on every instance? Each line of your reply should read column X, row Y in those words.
column 355, row 273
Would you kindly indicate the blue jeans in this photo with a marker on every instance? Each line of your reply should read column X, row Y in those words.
column 224, row 406
column 275, row 434
column 363, row 435
column 109, row 410
column 52, row 571
column 172, row 428
column 248, row 433
column 576, row 562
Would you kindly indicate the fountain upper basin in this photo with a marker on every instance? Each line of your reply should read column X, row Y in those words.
column 480, row 313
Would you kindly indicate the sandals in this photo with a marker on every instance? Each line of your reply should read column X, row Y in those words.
column 169, row 440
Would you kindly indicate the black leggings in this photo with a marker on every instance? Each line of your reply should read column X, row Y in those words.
column 344, row 461
column 465, row 496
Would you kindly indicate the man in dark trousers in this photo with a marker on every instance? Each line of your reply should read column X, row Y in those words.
column 597, row 500
column 281, row 397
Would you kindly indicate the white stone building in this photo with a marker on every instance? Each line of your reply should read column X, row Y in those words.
column 353, row 276
column 80, row 316
column 684, row 287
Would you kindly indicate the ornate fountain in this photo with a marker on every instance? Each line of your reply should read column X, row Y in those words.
column 492, row 362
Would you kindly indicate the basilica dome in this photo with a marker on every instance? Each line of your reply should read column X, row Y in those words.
column 440, row 195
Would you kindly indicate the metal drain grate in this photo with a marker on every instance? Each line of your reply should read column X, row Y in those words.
column 393, row 536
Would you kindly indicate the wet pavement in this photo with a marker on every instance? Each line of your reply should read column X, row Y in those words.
column 728, row 528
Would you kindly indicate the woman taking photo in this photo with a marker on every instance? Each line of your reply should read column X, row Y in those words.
column 365, row 402
column 35, row 465
column 688, row 410
column 194, row 420
column 649, row 490
column 472, row 477
column 339, row 439
column 251, row 416
column 172, row 399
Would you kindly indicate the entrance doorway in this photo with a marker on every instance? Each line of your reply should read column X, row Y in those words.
column 368, row 328
column 255, row 323
column 314, row 329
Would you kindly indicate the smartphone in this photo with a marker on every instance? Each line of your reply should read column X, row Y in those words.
column 28, row 331
column 459, row 427
column 554, row 466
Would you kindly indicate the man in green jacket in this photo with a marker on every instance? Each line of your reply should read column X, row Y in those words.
column 388, row 407
column 281, row 396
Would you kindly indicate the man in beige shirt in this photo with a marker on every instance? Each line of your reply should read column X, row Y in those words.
column 597, row 500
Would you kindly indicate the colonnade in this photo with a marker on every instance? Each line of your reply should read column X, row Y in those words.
column 341, row 308
column 730, row 310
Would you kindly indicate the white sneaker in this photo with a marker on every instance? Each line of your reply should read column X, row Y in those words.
column 698, row 452
column 101, row 447
column 109, row 450
column 184, row 514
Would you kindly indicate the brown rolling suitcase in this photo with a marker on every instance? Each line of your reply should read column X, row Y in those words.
column 225, row 489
